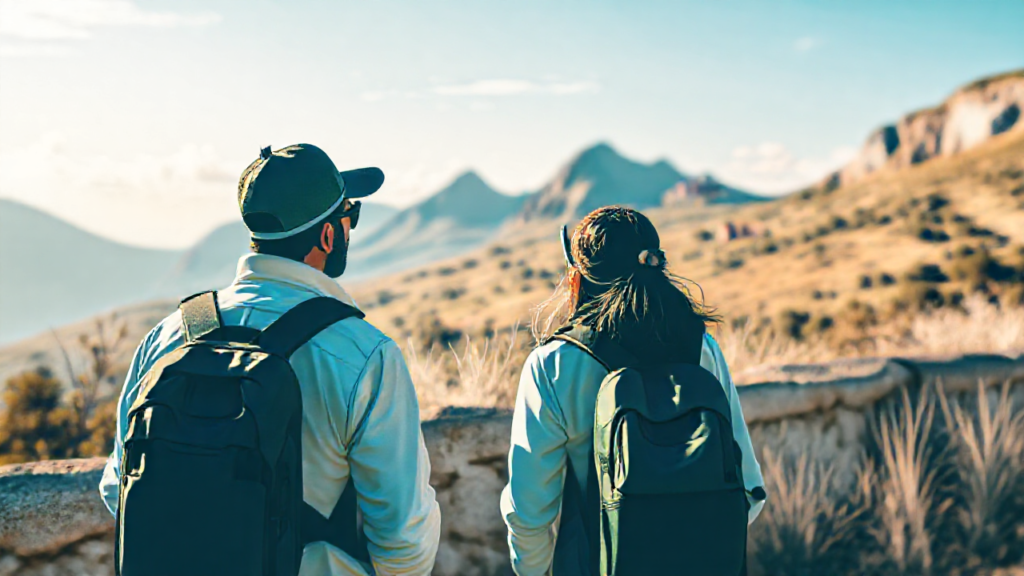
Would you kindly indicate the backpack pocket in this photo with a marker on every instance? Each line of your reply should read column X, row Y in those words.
column 185, row 511
column 670, row 505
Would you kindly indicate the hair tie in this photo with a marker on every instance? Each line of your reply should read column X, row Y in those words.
column 651, row 258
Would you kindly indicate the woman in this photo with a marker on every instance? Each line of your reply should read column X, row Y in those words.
column 618, row 285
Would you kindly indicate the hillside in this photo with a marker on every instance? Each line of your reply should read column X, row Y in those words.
column 820, row 260
column 52, row 272
column 968, row 118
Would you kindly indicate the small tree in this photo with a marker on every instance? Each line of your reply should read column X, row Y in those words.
column 34, row 423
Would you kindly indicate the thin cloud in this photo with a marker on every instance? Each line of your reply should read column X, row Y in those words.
column 510, row 87
column 32, row 49
column 806, row 43
column 77, row 19
column 486, row 89
column 772, row 168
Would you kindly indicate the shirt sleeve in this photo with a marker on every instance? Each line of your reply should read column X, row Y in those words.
column 391, row 471
column 110, row 482
column 537, row 464
column 751, row 469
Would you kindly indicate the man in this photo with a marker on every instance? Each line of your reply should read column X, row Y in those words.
column 360, row 412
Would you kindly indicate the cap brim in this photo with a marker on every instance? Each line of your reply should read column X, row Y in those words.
column 362, row 182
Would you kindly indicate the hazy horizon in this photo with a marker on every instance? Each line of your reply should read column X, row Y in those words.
column 122, row 116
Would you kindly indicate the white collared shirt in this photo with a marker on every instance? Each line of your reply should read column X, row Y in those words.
column 345, row 431
column 553, row 422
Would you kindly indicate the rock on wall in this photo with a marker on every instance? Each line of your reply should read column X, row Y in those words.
column 53, row 523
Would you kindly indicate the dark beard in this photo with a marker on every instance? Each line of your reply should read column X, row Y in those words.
column 337, row 261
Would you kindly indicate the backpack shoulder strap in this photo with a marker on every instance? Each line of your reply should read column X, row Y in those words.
column 604, row 350
column 298, row 325
column 200, row 315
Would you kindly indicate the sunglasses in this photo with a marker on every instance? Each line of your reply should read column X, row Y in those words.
column 352, row 213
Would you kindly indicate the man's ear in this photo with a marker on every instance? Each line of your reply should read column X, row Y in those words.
column 327, row 238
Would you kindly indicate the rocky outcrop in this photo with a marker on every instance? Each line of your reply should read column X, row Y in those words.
column 971, row 116
column 52, row 521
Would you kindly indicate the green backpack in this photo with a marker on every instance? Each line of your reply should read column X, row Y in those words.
column 211, row 470
column 665, row 493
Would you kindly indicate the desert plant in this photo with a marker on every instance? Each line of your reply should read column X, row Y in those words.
column 988, row 449
column 481, row 374
column 807, row 527
column 905, row 503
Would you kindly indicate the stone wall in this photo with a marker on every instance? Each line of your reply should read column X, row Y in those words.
column 53, row 523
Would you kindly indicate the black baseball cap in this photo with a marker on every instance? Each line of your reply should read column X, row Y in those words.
column 287, row 191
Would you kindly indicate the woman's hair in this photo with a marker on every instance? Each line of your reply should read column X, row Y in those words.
column 620, row 282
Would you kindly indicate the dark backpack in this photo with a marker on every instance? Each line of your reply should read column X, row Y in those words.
column 665, row 490
column 211, row 471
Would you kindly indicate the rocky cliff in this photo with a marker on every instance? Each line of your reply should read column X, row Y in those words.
column 972, row 115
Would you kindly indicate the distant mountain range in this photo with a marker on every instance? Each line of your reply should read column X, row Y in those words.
column 457, row 219
column 600, row 176
column 52, row 273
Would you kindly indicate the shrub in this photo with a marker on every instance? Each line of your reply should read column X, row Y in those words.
column 35, row 423
column 931, row 234
column 978, row 268
column 385, row 297
column 452, row 293
column 919, row 296
column 705, row 235
column 430, row 332
column 927, row 273
column 791, row 323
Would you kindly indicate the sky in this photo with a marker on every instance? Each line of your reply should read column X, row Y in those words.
column 134, row 118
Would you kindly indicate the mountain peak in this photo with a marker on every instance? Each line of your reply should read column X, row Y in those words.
column 469, row 177
column 467, row 187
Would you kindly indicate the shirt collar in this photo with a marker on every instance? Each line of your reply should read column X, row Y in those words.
column 264, row 267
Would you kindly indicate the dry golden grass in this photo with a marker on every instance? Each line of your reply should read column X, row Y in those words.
column 485, row 371
column 944, row 496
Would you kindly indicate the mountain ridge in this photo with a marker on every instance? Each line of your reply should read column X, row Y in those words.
column 969, row 117
column 460, row 217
